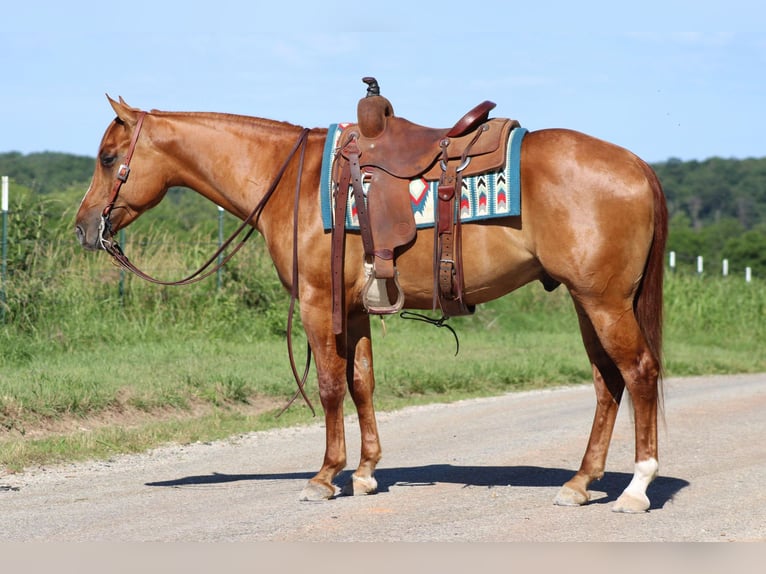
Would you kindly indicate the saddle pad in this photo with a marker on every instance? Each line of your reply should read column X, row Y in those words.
column 484, row 196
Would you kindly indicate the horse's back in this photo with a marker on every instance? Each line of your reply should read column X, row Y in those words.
column 593, row 170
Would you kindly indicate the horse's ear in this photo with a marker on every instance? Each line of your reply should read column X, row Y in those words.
column 124, row 112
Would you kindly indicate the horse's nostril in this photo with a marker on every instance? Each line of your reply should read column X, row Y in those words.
column 80, row 233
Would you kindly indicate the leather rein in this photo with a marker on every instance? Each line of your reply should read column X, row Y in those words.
column 113, row 248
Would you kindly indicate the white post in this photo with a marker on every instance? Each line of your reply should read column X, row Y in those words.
column 699, row 264
column 672, row 260
column 4, row 254
column 748, row 274
column 5, row 194
column 725, row 267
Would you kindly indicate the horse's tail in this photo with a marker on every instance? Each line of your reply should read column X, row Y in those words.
column 648, row 303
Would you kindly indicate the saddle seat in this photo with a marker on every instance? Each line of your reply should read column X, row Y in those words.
column 377, row 158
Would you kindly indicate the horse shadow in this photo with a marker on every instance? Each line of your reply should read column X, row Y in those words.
column 660, row 491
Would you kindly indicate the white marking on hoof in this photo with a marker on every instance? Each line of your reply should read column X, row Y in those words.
column 631, row 505
column 359, row 485
column 570, row 497
column 633, row 498
column 313, row 492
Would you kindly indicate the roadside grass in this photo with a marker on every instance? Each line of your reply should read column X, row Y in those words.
column 88, row 373
column 714, row 325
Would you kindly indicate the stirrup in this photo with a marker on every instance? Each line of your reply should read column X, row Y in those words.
column 375, row 295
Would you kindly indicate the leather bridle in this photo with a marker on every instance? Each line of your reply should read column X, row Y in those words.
column 107, row 242
column 123, row 172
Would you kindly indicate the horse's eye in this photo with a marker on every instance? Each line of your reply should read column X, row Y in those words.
column 108, row 160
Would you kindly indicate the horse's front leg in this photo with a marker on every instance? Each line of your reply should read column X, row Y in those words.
column 331, row 366
column 361, row 383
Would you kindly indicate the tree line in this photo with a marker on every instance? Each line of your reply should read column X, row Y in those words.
column 717, row 206
column 717, row 209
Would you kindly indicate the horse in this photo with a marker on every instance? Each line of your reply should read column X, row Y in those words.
column 594, row 219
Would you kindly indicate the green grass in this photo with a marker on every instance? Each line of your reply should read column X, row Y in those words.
column 714, row 325
column 87, row 373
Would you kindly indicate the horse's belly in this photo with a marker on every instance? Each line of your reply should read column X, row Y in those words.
column 495, row 262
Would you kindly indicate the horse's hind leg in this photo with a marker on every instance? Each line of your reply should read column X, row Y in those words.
column 361, row 383
column 609, row 386
column 620, row 357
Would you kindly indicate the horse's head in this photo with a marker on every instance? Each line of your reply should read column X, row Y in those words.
column 113, row 199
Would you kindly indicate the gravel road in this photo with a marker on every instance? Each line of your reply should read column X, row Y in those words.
column 479, row 470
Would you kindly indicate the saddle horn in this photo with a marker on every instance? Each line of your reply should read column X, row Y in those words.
column 373, row 110
column 373, row 88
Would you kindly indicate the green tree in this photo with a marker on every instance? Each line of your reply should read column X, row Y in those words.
column 684, row 240
column 748, row 250
column 47, row 172
column 715, row 236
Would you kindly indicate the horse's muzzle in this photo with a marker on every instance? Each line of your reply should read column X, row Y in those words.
column 82, row 237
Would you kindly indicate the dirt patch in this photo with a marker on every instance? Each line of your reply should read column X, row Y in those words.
column 126, row 417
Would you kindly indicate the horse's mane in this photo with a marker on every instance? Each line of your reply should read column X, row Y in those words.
column 237, row 119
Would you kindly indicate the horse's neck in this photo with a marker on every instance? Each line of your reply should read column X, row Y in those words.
column 234, row 161
column 231, row 160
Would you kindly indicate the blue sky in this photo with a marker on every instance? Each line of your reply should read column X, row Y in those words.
column 684, row 79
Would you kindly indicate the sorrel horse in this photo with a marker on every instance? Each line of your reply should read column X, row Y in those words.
column 594, row 219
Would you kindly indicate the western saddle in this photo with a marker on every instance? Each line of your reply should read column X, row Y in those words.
column 375, row 160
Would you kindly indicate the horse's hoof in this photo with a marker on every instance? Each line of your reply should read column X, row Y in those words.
column 359, row 485
column 568, row 496
column 314, row 492
column 631, row 503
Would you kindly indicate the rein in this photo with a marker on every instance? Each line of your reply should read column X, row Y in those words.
column 113, row 248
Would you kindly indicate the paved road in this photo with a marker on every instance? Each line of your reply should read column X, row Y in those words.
column 479, row 470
